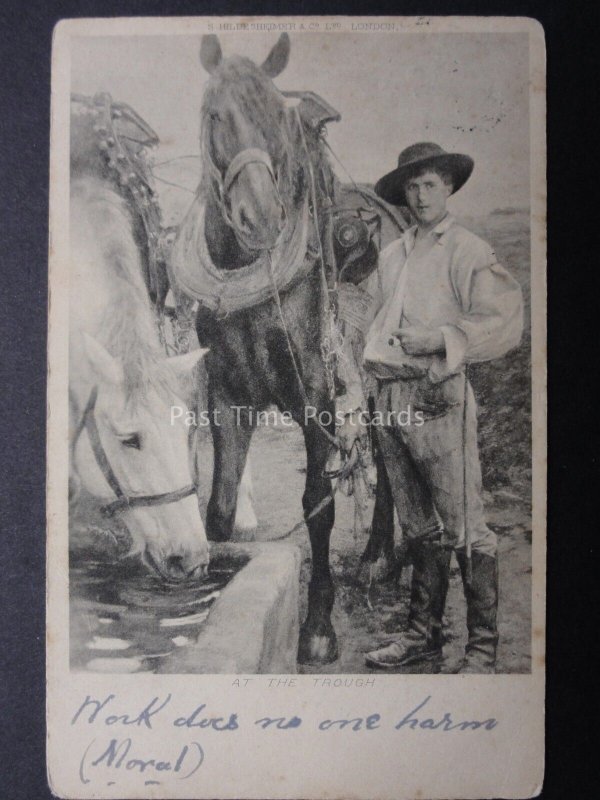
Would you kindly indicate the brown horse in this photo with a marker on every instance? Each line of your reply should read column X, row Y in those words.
column 267, row 186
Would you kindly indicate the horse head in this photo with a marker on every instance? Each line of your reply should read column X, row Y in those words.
column 246, row 142
column 133, row 454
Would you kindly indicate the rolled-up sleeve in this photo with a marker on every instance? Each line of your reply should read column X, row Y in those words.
column 491, row 322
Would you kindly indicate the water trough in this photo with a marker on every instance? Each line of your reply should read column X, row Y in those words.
column 253, row 627
column 129, row 621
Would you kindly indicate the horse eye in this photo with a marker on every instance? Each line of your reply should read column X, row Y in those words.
column 132, row 441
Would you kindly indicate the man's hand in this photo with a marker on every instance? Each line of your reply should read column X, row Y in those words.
column 417, row 340
column 351, row 429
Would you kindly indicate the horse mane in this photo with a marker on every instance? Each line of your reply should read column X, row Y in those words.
column 262, row 105
column 128, row 331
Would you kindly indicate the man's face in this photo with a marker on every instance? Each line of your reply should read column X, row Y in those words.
column 426, row 196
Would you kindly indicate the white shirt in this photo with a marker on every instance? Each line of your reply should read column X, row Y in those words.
column 454, row 284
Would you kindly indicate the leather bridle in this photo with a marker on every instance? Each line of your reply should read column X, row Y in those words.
column 123, row 501
column 251, row 155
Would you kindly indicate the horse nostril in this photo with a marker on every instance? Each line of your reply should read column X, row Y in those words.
column 200, row 571
column 175, row 565
column 245, row 221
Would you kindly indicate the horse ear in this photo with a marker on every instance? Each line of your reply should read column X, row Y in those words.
column 183, row 371
column 101, row 361
column 277, row 59
column 210, row 52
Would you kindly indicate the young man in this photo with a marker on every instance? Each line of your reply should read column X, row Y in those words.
column 440, row 301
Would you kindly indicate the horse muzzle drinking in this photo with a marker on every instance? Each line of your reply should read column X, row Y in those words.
column 188, row 559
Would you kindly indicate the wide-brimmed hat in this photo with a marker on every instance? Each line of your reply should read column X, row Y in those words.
column 415, row 157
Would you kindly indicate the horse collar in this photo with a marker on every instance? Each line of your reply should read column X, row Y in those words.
column 226, row 291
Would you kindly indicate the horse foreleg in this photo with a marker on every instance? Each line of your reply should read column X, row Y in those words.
column 231, row 441
column 318, row 643
column 245, row 518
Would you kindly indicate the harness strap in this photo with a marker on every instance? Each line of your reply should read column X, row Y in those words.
column 123, row 501
column 97, row 447
column 326, row 307
column 252, row 155
column 302, row 388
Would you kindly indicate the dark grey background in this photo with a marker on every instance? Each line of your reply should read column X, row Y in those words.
column 25, row 40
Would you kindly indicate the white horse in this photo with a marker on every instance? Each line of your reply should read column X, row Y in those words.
column 125, row 449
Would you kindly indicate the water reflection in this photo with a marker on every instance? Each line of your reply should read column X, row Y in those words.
column 124, row 619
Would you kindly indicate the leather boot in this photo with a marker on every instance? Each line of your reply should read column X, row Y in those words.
column 481, row 595
column 423, row 638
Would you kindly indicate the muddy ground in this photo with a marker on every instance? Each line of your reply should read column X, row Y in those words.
column 364, row 618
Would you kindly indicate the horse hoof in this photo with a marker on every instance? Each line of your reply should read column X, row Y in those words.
column 315, row 648
column 244, row 529
column 245, row 518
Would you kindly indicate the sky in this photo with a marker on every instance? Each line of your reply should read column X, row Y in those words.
column 466, row 91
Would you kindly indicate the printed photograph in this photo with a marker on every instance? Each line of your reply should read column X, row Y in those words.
column 300, row 352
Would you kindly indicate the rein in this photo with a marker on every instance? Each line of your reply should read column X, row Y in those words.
column 123, row 501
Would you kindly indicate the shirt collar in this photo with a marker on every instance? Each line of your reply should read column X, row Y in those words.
column 440, row 229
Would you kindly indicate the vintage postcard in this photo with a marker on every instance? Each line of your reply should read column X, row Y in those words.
column 297, row 408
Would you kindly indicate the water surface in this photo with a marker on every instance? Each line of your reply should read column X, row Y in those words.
column 123, row 619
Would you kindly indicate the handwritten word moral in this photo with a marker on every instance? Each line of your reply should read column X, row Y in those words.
column 121, row 755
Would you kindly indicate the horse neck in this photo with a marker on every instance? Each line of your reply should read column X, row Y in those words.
column 132, row 329
column 111, row 276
